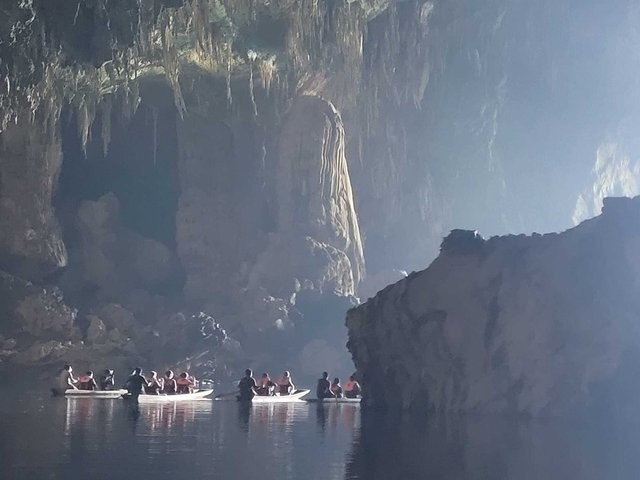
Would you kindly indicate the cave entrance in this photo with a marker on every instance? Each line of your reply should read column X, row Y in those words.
column 134, row 253
column 140, row 168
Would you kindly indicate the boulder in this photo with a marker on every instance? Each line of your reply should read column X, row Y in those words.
column 117, row 317
column 38, row 312
column 97, row 331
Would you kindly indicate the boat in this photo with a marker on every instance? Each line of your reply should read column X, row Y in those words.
column 330, row 401
column 178, row 397
column 73, row 393
column 295, row 397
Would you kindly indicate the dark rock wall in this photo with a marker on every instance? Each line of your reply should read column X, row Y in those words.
column 539, row 325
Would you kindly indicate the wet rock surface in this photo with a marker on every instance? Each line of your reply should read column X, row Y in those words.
column 539, row 325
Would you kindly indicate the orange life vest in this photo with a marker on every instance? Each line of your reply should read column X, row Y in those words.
column 351, row 385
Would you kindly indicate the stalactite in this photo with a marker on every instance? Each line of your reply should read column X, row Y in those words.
column 252, row 57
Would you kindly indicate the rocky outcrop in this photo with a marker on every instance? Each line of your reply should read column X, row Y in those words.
column 31, row 243
column 538, row 325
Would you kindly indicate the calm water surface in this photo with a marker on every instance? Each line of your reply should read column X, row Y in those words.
column 43, row 438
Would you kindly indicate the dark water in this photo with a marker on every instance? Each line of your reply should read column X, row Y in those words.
column 42, row 438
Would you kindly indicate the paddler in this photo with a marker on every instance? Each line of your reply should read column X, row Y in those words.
column 184, row 383
column 154, row 384
column 107, row 380
column 265, row 385
column 352, row 388
column 336, row 389
column 64, row 381
column 87, row 382
column 247, row 386
column 323, row 390
column 136, row 382
column 285, row 384
column 169, row 383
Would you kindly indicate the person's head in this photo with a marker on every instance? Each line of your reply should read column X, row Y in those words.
column 183, row 375
column 89, row 374
column 325, row 375
column 168, row 374
column 265, row 376
column 67, row 368
column 153, row 374
column 286, row 374
column 336, row 381
column 108, row 371
column 248, row 372
column 352, row 378
column 137, row 371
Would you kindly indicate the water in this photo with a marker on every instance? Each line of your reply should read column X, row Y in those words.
column 43, row 438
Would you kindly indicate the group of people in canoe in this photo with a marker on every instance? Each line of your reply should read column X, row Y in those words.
column 136, row 384
column 326, row 389
column 248, row 387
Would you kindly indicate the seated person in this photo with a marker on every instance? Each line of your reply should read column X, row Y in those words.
column 336, row 389
column 265, row 386
column 352, row 388
column 169, row 386
column 64, row 381
column 184, row 383
column 323, row 389
column 285, row 384
column 87, row 382
column 154, row 384
column 107, row 380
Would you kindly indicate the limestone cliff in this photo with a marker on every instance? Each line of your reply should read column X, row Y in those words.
column 539, row 325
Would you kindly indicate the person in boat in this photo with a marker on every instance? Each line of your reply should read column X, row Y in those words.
column 169, row 386
column 336, row 388
column 136, row 383
column 184, row 383
column 64, row 381
column 285, row 384
column 107, row 380
column 87, row 382
column 265, row 386
column 154, row 384
column 352, row 388
column 247, row 386
column 323, row 390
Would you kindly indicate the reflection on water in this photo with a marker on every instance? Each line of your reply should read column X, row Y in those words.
column 95, row 439
column 396, row 446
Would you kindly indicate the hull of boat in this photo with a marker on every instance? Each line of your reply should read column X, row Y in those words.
column 179, row 397
column 94, row 393
column 295, row 397
column 331, row 401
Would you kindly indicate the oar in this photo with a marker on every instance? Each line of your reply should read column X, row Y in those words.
column 225, row 395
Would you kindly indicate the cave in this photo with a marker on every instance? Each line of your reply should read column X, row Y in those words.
column 138, row 164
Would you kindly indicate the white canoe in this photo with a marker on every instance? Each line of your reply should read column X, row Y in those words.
column 293, row 398
column 71, row 393
column 331, row 401
column 178, row 397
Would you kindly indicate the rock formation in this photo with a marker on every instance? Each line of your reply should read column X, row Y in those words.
column 537, row 325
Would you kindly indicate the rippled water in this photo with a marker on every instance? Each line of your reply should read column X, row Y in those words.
column 43, row 438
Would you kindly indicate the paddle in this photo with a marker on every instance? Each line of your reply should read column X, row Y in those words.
column 225, row 395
